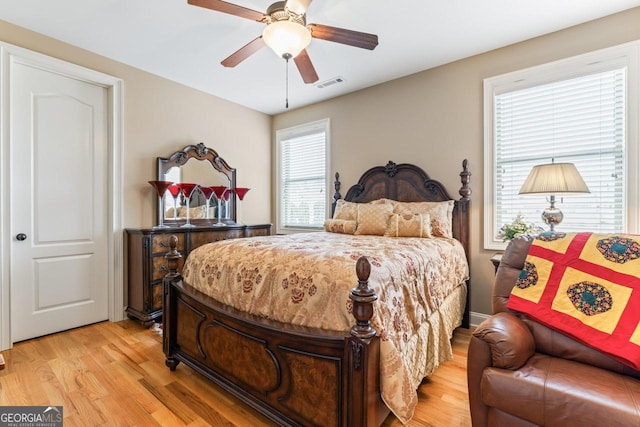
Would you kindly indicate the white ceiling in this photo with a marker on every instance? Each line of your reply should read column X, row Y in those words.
column 186, row 43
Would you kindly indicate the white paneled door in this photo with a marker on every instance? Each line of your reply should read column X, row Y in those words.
column 58, row 202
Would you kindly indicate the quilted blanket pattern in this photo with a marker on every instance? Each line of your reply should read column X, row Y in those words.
column 587, row 286
column 305, row 279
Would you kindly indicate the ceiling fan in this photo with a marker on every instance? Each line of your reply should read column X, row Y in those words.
column 287, row 33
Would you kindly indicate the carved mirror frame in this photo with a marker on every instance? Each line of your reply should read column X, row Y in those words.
column 202, row 153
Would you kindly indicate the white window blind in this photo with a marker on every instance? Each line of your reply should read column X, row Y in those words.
column 579, row 120
column 303, row 179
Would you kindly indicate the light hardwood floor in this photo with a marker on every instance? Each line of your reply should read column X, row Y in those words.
column 114, row 374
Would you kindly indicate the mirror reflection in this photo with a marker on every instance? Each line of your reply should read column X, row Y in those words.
column 209, row 202
column 203, row 203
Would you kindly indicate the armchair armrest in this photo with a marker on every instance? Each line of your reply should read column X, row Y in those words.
column 510, row 341
column 501, row 341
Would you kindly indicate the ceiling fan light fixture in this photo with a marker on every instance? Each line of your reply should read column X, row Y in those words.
column 286, row 38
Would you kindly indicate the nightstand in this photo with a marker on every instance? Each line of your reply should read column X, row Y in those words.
column 495, row 259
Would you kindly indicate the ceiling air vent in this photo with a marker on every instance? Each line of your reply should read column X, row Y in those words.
column 331, row 82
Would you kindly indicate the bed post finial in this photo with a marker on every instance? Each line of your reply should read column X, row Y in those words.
column 336, row 188
column 363, row 353
column 336, row 193
column 465, row 177
column 363, row 298
column 173, row 256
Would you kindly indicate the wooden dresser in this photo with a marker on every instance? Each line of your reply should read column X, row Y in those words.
column 146, row 266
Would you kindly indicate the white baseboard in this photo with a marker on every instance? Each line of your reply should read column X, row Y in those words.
column 476, row 318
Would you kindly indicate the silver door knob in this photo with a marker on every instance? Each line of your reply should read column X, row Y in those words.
column 21, row 236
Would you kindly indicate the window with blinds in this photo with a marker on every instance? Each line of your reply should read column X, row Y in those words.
column 579, row 121
column 572, row 111
column 302, row 170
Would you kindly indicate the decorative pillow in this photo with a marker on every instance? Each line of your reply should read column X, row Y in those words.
column 342, row 226
column 384, row 201
column 372, row 218
column 349, row 210
column 345, row 210
column 197, row 212
column 416, row 225
column 182, row 212
column 441, row 214
column 586, row 286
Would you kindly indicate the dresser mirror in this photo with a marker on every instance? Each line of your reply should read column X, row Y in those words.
column 200, row 165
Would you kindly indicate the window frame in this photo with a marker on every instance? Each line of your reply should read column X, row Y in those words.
column 625, row 55
column 293, row 132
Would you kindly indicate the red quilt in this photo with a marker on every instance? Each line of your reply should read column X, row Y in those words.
column 587, row 286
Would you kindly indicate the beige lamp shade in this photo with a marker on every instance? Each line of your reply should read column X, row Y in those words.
column 286, row 38
column 553, row 178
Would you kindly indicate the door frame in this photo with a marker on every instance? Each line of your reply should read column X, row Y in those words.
column 10, row 54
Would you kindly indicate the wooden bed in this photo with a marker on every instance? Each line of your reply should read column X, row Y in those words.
column 297, row 375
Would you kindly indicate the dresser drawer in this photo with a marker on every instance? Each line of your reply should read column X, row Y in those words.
column 255, row 230
column 160, row 243
column 159, row 267
column 157, row 294
column 203, row 237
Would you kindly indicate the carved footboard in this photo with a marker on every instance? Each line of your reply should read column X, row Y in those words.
column 293, row 375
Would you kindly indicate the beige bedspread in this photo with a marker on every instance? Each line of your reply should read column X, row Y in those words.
column 305, row 279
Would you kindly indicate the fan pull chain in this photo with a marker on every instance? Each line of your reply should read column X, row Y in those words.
column 287, row 86
column 286, row 57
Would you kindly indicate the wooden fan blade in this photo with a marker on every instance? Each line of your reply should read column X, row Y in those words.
column 340, row 35
column 244, row 52
column 230, row 8
column 298, row 7
column 303, row 62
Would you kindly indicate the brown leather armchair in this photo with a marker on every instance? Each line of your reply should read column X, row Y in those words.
column 521, row 373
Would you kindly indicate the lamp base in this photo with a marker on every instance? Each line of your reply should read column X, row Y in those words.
column 552, row 216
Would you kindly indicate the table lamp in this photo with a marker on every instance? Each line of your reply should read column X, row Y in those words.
column 553, row 178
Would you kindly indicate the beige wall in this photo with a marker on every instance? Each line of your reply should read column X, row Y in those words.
column 435, row 119
column 161, row 117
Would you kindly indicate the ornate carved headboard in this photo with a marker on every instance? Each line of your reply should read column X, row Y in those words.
column 403, row 182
